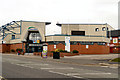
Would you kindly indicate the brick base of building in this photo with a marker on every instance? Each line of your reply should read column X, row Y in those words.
column 7, row 48
column 92, row 49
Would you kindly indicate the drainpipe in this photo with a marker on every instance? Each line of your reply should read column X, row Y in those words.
column 20, row 26
column 3, row 36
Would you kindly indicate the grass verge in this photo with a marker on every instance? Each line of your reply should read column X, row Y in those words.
column 116, row 60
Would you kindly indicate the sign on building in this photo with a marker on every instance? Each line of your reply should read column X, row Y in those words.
column 87, row 46
column 54, row 46
column 115, row 40
column 67, row 43
column 32, row 28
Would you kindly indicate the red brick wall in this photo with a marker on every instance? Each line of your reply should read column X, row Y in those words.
column 4, row 48
column 58, row 46
column 93, row 49
column 16, row 46
column 8, row 47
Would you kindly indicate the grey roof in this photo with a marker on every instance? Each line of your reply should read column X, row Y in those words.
column 59, row 24
column 34, row 21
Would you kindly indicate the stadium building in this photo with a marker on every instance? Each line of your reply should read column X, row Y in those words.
column 30, row 36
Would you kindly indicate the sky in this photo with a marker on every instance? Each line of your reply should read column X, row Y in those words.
column 62, row 11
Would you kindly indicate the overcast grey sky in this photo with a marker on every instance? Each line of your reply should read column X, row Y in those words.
column 63, row 11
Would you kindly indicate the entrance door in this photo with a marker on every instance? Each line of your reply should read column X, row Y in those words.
column 36, row 49
column 34, row 43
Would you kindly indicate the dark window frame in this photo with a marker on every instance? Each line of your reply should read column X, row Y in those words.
column 103, row 29
column 80, row 33
column 13, row 36
column 96, row 29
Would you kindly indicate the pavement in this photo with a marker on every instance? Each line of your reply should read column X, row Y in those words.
column 85, row 67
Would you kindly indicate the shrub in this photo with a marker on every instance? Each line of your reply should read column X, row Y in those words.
column 75, row 51
column 116, row 60
column 52, row 51
column 57, row 50
column 19, row 50
column 60, row 50
column 12, row 50
column 63, row 51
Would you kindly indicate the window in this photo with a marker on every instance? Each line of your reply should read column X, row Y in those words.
column 13, row 36
column 97, row 29
column 78, row 33
column 101, row 43
column 103, row 29
column 107, row 28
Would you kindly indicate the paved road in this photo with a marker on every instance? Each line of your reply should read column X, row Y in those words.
column 75, row 68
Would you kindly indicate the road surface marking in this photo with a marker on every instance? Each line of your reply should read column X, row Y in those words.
column 65, row 74
column 98, row 73
column 113, row 67
column 56, row 68
column 57, row 72
column 25, row 66
column 73, row 74
column 40, row 64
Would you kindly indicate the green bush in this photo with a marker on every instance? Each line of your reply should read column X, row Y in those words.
column 64, row 51
column 116, row 60
column 61, row 50
column 12, row 50
column 75, row 51
column 19, row 50
column 52, row 51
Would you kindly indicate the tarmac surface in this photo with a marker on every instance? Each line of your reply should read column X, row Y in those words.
column 83, row 67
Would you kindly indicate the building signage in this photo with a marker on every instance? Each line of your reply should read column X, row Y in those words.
column 67, row 43
column 111, row 45
column 32, row 28
column 87, row 46
column 35, row 45
column 54, row 46
column 36, row 41
column 115, row 40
